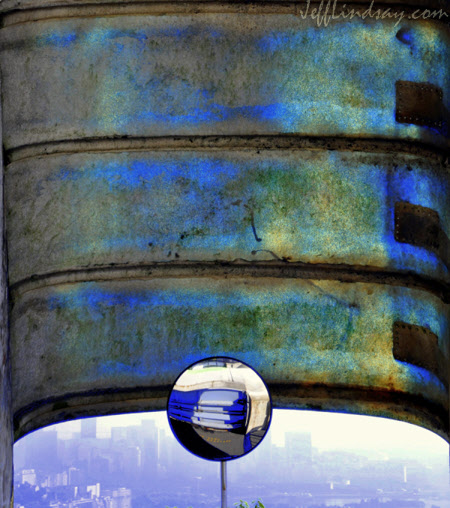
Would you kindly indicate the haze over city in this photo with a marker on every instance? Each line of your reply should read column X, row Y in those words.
column 307, row 459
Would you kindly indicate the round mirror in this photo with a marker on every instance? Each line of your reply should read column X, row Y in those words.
column 219, row 409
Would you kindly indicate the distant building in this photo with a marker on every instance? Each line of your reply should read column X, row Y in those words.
column 133, row 433
column 58, row 479
column 94, row 490
column 88, row 428
column 298, row 446
column 118, row 434
column 29, row 476
column 148, row 428
column 149, row 446
column 132, row 460
column 85, row 503
column 76, row 476
column 120, row 498
column 44, row 449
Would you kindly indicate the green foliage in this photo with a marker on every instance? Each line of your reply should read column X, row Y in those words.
column 244, row 504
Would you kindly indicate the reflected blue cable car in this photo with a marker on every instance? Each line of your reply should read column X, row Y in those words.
column 219, row 409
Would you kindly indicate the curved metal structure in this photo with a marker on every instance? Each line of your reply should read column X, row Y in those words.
column 189, row 179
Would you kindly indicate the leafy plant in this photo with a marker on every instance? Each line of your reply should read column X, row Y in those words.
column 244, row 504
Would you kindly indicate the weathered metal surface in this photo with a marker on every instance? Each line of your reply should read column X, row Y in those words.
column 21, row 11
column 219, row 74
column 6, row 436
column 419, row 104
column 14, row 5
column 187, row 180
column 420, row 346
column 71, row 212
column 130, row 336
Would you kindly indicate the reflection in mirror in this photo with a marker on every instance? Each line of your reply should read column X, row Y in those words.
column 219, row 409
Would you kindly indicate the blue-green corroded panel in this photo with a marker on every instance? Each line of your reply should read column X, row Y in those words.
column 87, row 210
column 215, row 74
column 76, row 337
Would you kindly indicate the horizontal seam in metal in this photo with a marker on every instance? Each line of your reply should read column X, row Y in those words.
column 332, row 393
column 241, row 269
column 145, row 392
column 80, row 10
column 229, row 142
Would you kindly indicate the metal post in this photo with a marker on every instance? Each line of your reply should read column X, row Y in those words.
column 223, row 482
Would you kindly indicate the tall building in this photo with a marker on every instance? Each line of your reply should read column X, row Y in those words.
column 120, row 498
column 44, row 449
column 149, row 446
column 132, row 460
column 76, row 476
column 28, row 476
column 118, row 434
column 88, row 428
column 299, row 447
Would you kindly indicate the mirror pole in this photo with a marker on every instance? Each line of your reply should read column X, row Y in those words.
column 223, row 483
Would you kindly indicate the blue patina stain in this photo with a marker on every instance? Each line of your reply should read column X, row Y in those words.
column 58, row 39
column 113, row 368
column 200, row 111
column 99, row 34
column 407, row 308
column 205, row 172
column 93, row 295
column 67, row 173
column 404, row 36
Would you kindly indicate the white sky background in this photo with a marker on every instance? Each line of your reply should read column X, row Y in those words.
column 330, row 431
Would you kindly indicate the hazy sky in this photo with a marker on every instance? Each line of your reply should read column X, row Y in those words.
column 329, row 430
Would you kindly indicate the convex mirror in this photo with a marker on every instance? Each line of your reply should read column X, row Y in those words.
column 219, row 408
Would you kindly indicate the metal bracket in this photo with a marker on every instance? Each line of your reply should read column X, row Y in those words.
column 419, row 104
column 420, row 226
column 419, row 346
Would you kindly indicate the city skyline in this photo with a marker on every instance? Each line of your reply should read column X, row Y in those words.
column 134, row 461
column 353, row 430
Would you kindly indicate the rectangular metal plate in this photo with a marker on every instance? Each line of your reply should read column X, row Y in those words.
column 417, row 225
column 419, row 104
column 419, row 346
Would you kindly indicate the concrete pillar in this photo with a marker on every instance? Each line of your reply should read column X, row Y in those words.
column 185, row 180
